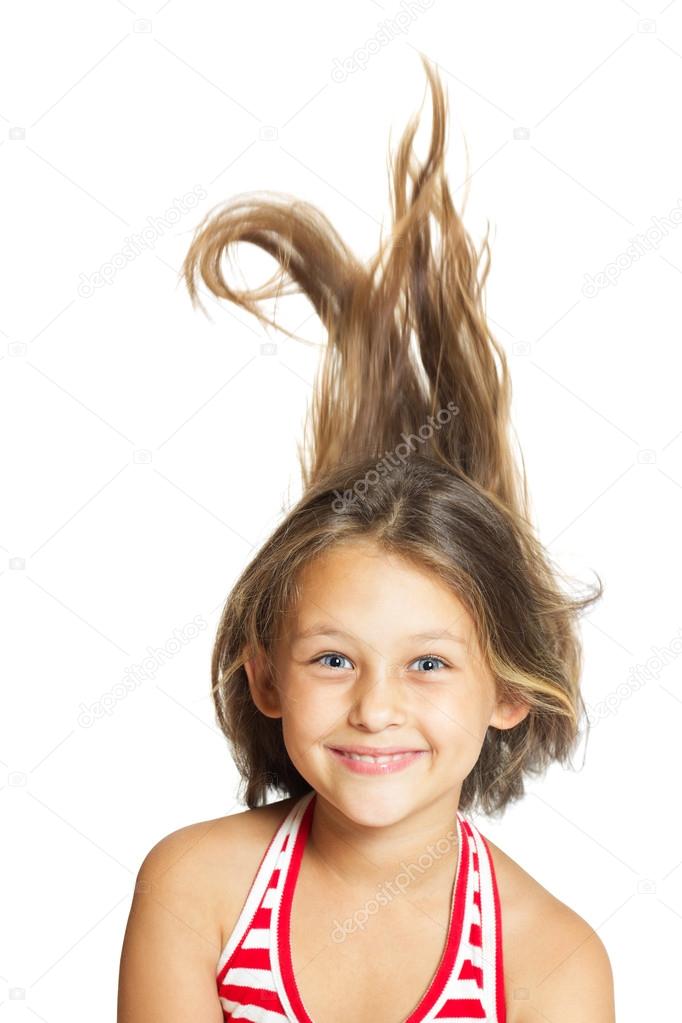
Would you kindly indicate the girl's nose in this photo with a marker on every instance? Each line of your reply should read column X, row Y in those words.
column 378, row 700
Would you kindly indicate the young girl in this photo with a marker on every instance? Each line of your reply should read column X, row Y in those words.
column 398, row 656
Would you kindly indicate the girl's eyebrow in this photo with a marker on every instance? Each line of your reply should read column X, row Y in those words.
column 320, row 629
column 438, row 634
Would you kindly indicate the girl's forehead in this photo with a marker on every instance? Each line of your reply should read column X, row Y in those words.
column 366, row 557
column 375, row 572
column 365, row 594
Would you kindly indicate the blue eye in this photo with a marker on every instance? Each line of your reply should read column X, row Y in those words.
column 432, row 659
column 338, row 656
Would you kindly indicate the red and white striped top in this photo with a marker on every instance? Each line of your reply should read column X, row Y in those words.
column 254, row 974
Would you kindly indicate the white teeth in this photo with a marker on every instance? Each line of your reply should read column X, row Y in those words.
column 375, row 760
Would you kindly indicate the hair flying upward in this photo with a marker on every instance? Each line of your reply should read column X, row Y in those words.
column 410, row 363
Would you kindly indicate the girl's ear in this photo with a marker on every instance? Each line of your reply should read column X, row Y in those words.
column 264, row 692
column 506, row 715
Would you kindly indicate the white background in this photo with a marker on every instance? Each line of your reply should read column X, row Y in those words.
column 149, row 450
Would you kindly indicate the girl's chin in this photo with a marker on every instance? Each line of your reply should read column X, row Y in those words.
column 371, row 807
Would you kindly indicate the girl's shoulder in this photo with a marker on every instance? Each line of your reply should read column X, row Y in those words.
column 212, row 864
column 549, row 951
column 221, row 857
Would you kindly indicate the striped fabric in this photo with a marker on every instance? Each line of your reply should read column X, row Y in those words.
column 254, row 973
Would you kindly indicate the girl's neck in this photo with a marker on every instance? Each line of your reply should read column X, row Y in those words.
column 419, row 852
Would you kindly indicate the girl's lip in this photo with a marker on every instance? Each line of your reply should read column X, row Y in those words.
column 389, row 767
column 377, row 751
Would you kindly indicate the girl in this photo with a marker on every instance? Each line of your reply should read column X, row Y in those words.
column 398, row 656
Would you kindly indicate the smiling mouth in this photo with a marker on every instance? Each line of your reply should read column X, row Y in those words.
column 377, row 751
column 376, row 763
column 375, row 758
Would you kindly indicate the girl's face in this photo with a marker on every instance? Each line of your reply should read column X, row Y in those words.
column 379, row 653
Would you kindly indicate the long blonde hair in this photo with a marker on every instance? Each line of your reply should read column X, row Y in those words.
column 407, row 443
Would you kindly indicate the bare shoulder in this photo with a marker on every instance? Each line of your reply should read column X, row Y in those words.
column 186, row 889
column 555, row 964
column 215, row 861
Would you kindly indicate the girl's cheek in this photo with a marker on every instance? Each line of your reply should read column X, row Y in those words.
column 312, row 709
